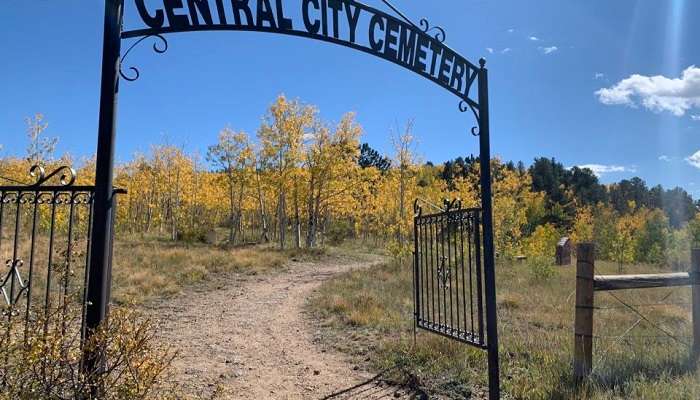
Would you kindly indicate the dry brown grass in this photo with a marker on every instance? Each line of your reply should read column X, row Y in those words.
column 147, row 268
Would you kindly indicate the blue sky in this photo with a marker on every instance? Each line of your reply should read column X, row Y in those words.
column 593, row 82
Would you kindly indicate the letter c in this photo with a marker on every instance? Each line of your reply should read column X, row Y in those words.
column 153, row 22
column 375, row 44
column 312, row 28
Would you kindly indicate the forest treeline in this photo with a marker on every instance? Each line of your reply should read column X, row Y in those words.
column 301, row 181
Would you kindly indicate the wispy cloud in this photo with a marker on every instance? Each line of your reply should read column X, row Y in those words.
column 534, row 38
column 511, row 30
column 695, row 117
column 490, row 50
column 656, row 93
column 694, row 159
column 665, row 158
column 600, row 169
column 506, row 50
column 548, row 50
column 599, row 75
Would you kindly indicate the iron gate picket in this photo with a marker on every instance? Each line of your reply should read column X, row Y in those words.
column 448, row 284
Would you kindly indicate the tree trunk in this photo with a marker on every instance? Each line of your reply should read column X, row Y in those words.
column 263, row 217
column 281, row 219
column 316, row 215
column 311, row 228
column 297, row 220
column 239, row 211
column 231, row 214
column 175, row 207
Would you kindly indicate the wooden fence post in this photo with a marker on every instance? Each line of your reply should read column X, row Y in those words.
column 583, row 323
column 694, row 273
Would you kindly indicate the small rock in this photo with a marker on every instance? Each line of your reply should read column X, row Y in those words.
column 317, row 372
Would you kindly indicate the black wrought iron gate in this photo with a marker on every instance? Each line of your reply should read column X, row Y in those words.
column 45, row 245
column 447, row 270
column 451, row 295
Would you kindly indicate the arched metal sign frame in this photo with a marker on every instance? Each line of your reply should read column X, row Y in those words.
column 420, row 48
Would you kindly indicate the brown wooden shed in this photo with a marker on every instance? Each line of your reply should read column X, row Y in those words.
column 563, row 254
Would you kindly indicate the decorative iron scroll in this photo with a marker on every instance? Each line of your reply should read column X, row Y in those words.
column 448, row 286
column 134, row 70
column 464, row 106
column 439, row 34
column 38, row 173
column 419, row 48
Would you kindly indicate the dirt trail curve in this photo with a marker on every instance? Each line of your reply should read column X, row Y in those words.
column 250, row 336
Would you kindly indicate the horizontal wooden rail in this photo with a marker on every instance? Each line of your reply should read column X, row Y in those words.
column 587, row 283
column 619, row 282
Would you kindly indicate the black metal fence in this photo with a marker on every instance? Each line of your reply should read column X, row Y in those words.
column 448, row 284
column 44, row 242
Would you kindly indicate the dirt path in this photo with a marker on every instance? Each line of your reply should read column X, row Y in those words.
column 250, row 338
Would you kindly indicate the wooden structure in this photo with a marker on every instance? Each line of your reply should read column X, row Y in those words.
column 563, row 253
column 587, row 283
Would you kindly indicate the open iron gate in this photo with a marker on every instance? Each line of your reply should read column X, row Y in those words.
column 447, row 273
column 451, row 297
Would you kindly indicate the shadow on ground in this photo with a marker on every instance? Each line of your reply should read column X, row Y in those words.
column 377, row 388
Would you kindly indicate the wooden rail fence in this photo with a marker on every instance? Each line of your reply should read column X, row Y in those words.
column 587, row 283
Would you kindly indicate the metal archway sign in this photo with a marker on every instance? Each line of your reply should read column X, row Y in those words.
column 419, row 48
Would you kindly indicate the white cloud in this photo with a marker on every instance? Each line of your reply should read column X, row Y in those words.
column 665, row 158
column 490, row 50
column 695, row 117
column 511, row 30
column 534, row 38
column 599, row 75
column 694, row 159
column 548, row 50
column 599, row 169
column 656, row 93
column 506, row 50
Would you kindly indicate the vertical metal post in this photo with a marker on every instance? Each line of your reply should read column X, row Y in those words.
column 101, row 233
column 487, row 221
column 416, row 279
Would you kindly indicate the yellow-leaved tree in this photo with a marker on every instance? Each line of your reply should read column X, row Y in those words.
column 282, row 136
column 233, row 159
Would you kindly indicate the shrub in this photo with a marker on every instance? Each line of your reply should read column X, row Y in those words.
column 543, row 242
column 43, row 359
column 541, row 268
